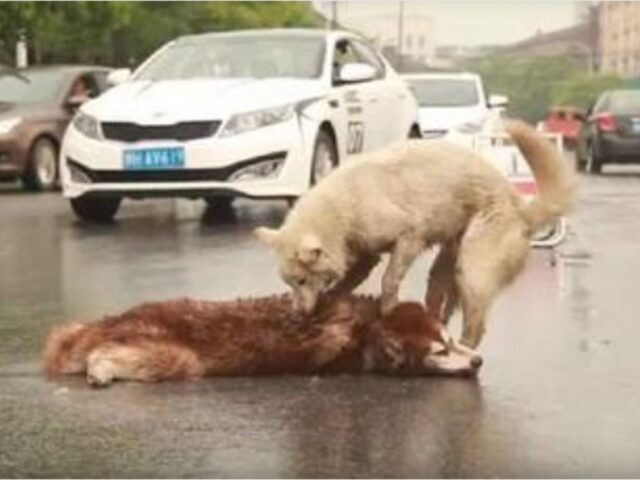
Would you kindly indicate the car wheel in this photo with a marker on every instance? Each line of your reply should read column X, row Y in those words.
column 594, row 161
column 42, row 169
column 414, row 132
column 325, row 157
column 95, row 210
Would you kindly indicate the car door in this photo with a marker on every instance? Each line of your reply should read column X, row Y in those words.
column 389, row 97
column 589, row 129
column 357, row 103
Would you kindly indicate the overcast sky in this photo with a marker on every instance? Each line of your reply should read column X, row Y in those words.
column 468, row 22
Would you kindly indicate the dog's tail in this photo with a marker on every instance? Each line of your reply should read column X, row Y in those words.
column 66, row 349
column 555, row 183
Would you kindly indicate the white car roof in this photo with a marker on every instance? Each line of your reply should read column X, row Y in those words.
column 442, row 75
column 294, row 32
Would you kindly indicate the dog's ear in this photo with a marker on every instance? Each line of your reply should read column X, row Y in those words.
column 310, row 250
column 268, row 236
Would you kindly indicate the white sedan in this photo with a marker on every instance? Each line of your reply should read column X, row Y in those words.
column 259, row 114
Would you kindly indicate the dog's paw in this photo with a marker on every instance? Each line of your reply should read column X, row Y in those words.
column 100, row 370
column 98, row 381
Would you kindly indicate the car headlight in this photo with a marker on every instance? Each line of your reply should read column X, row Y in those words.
column 87, row 125
column 9, row 124
column 243, row 122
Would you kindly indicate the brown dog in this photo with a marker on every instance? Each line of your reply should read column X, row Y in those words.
column 186, row 338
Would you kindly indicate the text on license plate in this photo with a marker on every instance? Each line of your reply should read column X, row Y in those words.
column 153, row 158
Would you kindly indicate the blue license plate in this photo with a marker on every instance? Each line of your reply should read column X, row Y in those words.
column 153, row 158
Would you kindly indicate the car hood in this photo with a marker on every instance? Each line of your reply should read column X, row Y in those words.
column 11, row 110
column 171, row 101
column 446, row 118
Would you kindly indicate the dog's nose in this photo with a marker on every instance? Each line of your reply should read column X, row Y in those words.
column 476, row 362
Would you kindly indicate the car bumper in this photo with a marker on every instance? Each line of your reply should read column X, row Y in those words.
column 208, row 165
column 619, row 149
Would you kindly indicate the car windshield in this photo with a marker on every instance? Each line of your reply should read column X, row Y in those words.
column 241, row 56
column 31, row 86
column 625, row 102
column 445, row 92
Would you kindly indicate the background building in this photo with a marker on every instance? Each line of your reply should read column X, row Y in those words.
column 385, row 23
column 580, row 40
column 619, row 24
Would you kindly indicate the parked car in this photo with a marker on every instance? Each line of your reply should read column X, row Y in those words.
column 452, row 101
column 259, row 113
column 36, row 105
column 611, row 133
column 565, row 120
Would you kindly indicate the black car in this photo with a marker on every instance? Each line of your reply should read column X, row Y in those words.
column 611, row 133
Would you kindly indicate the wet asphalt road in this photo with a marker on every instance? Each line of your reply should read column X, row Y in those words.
column 558, row 396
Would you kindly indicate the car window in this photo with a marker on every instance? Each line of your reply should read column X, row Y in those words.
column 627, row 101
column 445, row 92
column 352, row 51
column 367, row 55
column 602, row 104
column 241, row 56
column 32, row 86
column 84, row 85
column 100, row 78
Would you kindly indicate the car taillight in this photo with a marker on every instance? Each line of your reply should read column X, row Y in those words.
column 606, row 122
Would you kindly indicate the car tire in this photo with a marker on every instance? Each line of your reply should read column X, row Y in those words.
column 325, row 157
column 594, row 161
column 41, row 173
column 95, row 210
column 219, row 201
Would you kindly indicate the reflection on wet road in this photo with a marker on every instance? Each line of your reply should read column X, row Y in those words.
column 557, row 396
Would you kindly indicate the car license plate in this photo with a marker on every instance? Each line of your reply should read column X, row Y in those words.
column 153, row 158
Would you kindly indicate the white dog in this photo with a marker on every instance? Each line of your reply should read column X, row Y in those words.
column 408, row 197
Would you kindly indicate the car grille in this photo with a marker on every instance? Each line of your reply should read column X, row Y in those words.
column 173, row 175
column 132, row 132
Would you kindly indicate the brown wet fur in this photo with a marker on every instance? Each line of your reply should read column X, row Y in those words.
column 188, row 338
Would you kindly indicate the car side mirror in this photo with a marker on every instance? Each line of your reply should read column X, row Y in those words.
column 356, row 72
column 75, row 101
column 498, row 101
column 118, row 76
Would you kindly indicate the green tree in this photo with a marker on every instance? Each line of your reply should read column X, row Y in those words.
column 583, row 90
column 528, row 82
column 121, row 33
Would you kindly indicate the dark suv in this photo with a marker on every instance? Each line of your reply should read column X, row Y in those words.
column 611, row 133
column 36, row 105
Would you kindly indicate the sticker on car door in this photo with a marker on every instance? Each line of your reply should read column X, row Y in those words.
column 355, row 137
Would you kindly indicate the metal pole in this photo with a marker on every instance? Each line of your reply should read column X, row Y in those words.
column 334, row 14
column 22, row 60
column 400, row 31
